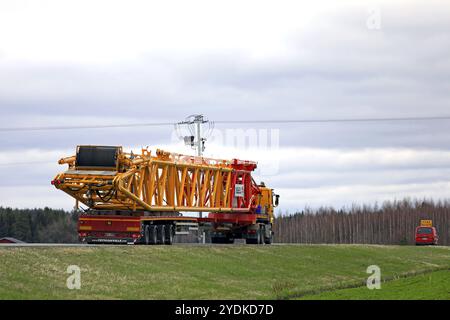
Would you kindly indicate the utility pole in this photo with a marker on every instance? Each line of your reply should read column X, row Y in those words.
column 198, row 121
column 194, row 124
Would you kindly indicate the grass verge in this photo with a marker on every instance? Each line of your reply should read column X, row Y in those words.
column 426, row 286
column 206, row 272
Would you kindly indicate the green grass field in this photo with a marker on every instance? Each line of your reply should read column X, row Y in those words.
column 433, row 285
column 223, row 272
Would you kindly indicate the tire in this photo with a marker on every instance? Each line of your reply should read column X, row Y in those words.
column 216, row 240
column 169, row 234
column 268, row 240
column 153, row 235
column 147, row 234
column 222, row 240
column 260, row 236
column 251, row 241
column 161, row 233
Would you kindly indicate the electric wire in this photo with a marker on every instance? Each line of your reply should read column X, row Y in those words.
column 263, row 121
column 271, row 121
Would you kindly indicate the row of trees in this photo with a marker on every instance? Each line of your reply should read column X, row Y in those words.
column 39, row 225
column 391, row 223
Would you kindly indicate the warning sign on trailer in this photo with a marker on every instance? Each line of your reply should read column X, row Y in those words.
column 239, row 190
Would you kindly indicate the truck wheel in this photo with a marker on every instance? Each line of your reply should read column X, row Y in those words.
column 169, row 234
column 260, row 236
column 147, row 234
column 153, row 235
column 252, row 240
column 268, row 240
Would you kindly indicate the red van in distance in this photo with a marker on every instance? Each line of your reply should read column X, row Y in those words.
column 426, row 236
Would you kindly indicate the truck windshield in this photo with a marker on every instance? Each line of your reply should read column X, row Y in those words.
column 424, row 231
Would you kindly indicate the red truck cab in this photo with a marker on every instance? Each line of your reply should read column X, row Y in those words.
column 426, row 236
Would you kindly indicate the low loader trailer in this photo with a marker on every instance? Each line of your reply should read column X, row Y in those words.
column 141, row 198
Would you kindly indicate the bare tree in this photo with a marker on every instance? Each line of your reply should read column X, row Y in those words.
column 392, row 223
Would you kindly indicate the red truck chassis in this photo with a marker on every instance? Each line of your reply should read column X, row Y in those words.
column 141, row 228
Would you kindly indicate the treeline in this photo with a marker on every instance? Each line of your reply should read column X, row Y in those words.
column 391, row 223
column 39, row 225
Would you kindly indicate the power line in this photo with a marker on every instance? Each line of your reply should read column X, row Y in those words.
column 12, row 164
column 433, row 118
column 50, row 128
column 273, row 121
column 266, row 121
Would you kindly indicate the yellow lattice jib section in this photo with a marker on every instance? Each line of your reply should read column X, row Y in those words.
column 107, row 178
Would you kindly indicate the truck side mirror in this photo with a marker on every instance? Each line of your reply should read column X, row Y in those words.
column 277, row 200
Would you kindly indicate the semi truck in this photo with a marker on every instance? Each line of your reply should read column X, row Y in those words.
column 145, row 198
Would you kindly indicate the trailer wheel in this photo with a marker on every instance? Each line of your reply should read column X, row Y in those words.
column 147, row 234
column 169, row 234
column 153, row 235
column 215, row 240
column 222, row 240
column 161, row 233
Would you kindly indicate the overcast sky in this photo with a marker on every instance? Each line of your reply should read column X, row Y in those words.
column 113, row 62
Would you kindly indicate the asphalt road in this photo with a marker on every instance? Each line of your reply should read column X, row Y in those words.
column 7, row 245
column 68, row 245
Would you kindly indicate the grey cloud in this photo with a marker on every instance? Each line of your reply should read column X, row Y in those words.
column 335, row 69
column 323, row 179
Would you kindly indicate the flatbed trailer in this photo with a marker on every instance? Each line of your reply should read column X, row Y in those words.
column 143, row 228
column 107, row 228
